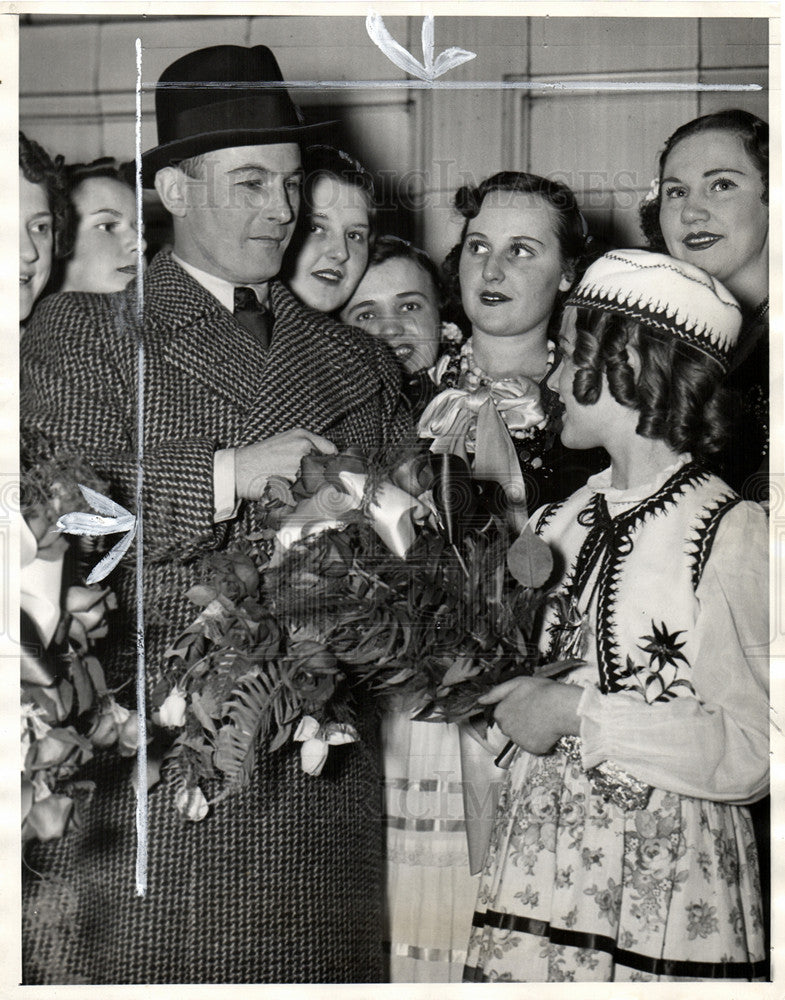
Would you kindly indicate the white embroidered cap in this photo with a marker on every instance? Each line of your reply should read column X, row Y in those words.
column 665, row 294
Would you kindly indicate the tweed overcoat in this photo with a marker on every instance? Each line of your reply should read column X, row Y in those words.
column 282, row 884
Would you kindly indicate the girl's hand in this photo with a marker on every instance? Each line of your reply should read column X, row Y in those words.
column 534, row 712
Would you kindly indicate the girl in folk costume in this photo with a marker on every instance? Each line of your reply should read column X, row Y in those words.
column 622, row 847
column 520, row 251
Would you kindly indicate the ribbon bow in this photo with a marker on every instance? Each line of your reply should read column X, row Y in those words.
column 481, row 420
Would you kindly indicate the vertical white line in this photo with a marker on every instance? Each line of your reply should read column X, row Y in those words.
column 141, row 756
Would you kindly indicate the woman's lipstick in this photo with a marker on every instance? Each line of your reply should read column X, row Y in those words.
column 330, row 275
column 489, row 298
column 700, row 241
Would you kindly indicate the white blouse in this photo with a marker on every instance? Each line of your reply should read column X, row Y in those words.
column 677, row 612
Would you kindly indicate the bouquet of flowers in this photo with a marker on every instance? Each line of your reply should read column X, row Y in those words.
column 398, row 579
column 66, row 710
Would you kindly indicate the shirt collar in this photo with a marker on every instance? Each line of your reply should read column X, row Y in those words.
column 220, row 288
column 601, row 483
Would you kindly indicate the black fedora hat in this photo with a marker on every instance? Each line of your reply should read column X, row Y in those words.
column 222, row 96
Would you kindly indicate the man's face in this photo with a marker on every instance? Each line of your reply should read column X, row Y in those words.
column 238, row 215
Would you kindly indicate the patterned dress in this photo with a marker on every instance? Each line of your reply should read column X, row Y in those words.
column 629, row 854
column 430, row 890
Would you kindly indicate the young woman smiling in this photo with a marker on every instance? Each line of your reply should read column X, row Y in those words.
column 44, row 214
column 709, row 207
column 329, row 250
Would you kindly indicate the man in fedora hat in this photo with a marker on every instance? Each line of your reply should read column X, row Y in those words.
column 239, row 381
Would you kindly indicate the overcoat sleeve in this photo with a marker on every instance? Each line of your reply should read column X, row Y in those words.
column 79, row 368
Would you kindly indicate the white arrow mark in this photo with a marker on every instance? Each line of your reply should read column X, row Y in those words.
column 111, row 519
column 429, row 68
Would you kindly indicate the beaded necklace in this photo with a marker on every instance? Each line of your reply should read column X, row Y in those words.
column 461, row 364
column 474, row 376
column 462, row 368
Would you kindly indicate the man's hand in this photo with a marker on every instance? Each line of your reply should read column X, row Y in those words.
column 534, row 712
column 279, row 455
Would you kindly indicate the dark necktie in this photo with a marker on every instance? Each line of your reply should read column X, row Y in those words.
column 249, row 312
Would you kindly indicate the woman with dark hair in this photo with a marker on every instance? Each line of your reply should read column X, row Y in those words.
column 623, row 847
column 104, row 257
column 399, row 299
column 329, row 250
column 44, row 216
column 522, row 247
column 709, row 206
column 714, row 174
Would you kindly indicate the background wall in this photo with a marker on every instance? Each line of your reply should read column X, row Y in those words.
column 77, row 78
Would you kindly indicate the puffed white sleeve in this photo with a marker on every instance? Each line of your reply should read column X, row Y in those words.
column 715, row 745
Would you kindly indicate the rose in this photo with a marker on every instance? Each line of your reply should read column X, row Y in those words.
column 128, row 736
column 316, row 741
column 312, row 673
column 314, row 689
column 234, row 575
column 60, row 751
column 655, row 857
column 34, row 724
column 414, row 475
column 88, row 607
column 47, row 818
column 108, row 723
column 191, row 803
column 49, row 539
column 172, row 712
column 318, row 470
column 51, row 751
column 245, row 571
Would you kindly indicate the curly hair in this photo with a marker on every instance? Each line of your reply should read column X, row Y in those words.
column 570, row 227
column 754, row 134
column 104, row 166
column 394, row 248
column 76, row 173
column 39, row 168
column 678, row 395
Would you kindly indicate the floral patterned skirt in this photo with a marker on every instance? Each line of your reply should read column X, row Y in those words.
column 575, row 889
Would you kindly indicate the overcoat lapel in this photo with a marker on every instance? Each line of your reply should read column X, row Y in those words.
column 201, row 338
column 315, row 373
column 328, row 369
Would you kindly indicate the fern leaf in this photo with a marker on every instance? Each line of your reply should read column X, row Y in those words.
column 248, row 712
column 283, row 734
